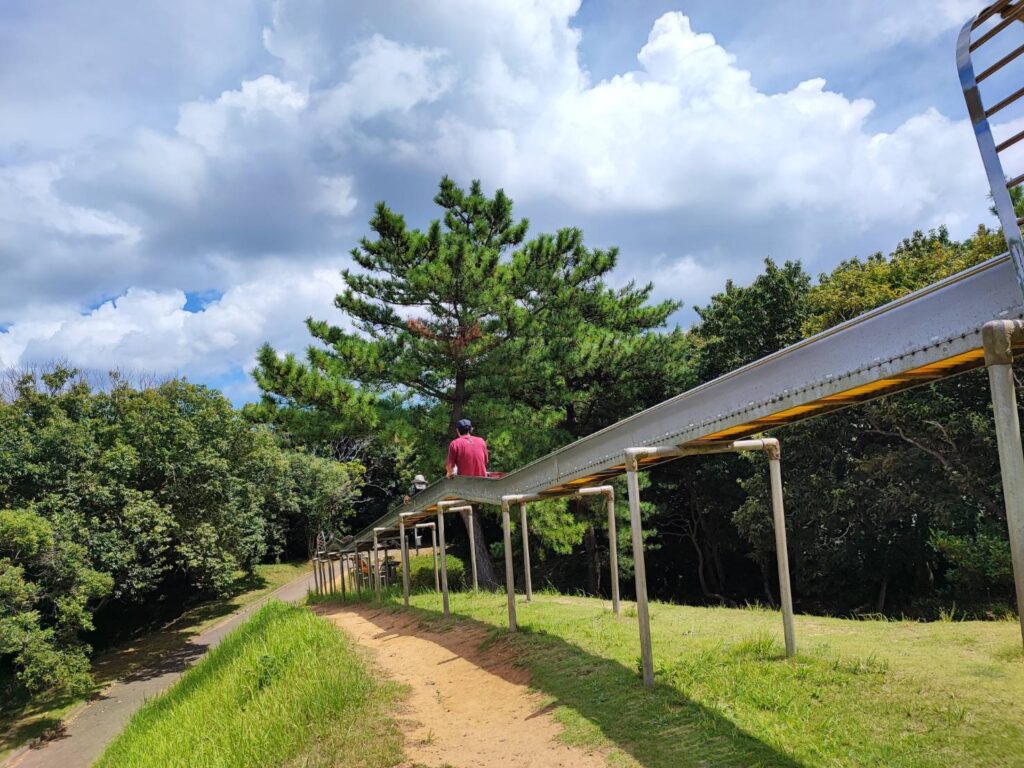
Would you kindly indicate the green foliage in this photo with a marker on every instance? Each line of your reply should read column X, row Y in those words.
column 897, row 500
column 744, row 323
column 472, row 317
column 978, row 564
column 421, row 572
column 45, row 590
column 110, row 497
column 277, row 691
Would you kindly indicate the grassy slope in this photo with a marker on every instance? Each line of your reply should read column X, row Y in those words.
column 860, row 692
column 20, row 723
column 285, row 688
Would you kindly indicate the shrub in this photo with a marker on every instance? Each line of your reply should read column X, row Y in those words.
column 421, row 572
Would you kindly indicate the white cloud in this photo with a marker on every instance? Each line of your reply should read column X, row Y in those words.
column 245, row 179
column 244, row 113
column 152, row 332
column 689, row 130
column 28, row 199
column 386, row 77
column 336, row 195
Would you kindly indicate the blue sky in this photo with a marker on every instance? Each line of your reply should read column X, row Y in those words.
column 180, row 182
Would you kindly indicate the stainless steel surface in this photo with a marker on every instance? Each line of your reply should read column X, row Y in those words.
column 643, row 616
column 999, row 343
column 444, row 562
column 782, row 551
column 405, row 561
column 922, row 337
column 527, row 577
column 510, row 580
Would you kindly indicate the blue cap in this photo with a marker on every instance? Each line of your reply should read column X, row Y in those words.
column 463, row 424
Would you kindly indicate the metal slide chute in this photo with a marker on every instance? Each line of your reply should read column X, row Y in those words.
column 969, row 320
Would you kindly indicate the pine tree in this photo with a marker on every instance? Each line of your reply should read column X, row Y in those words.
column 470, row 316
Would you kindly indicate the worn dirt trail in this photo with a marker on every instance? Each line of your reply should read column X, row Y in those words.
column 468, row 708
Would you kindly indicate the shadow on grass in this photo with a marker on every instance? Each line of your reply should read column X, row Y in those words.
column 26, row 722
column 157, row 650
column 659, row 728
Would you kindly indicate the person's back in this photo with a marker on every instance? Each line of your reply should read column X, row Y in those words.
column 467, row 454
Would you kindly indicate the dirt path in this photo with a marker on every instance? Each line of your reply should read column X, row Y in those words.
column 88, row 731
column 468, row 708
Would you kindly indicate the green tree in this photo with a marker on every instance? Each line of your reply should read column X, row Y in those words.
column 46, row 592
column 470, row 317
column 110, row 497
column 886, row 498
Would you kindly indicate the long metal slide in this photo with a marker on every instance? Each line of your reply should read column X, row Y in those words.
column 972, row 319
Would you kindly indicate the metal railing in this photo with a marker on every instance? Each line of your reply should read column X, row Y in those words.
column 987, row 34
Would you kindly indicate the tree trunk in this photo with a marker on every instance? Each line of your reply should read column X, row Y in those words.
column 883, row 589
column 767, row 587
column 700, row 571
column 593, row 568
column 485, row 572
column 458, row 402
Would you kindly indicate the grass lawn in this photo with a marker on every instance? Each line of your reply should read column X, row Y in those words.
column 21, row 722
column 285, row 688
column 860, row 693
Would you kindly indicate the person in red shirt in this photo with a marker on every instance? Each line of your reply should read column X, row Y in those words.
column 467, row 455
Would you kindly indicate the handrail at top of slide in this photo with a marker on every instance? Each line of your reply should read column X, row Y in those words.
column 927, row 335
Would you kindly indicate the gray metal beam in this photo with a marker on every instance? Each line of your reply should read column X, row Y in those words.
column 922, row 337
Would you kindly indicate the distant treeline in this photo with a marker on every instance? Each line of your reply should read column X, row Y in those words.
column 117, row 496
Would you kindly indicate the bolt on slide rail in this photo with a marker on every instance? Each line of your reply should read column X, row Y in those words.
column 969, row 320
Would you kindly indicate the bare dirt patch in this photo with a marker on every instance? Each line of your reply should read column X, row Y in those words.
column 468, row 708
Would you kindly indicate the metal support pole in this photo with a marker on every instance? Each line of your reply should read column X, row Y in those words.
column 510, row 584
column 376, row 569
column 316, row 574
column 387, row 568
column 639, row 570
column 527, row 581
column 472, row 547
column 781, row 551
column 405, row 561
column 444, row 563
column 433, row 545
column 998, row 339
column 341, row 575
column 330, row 573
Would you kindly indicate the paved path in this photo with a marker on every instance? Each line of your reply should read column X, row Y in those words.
column 93, row 727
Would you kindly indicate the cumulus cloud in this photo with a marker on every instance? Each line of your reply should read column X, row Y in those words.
column 689, row 130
